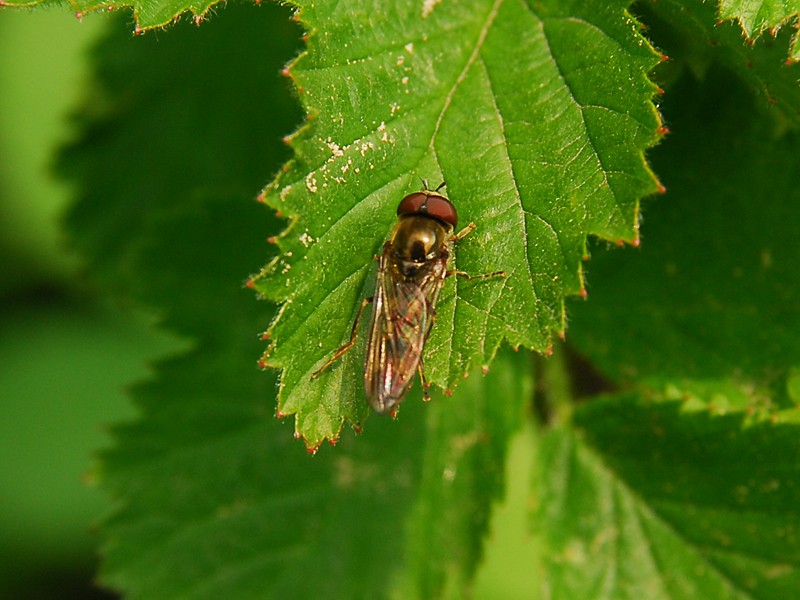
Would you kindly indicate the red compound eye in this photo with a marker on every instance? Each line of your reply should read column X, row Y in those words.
column 428, row 204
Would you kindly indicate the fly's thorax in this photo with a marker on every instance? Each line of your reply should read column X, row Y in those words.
column 417, row 241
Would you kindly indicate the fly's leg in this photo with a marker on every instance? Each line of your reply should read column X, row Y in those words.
column 464, row 232
column 425, row 385
column 350, row 343
column 457, row 238
column 469, row 277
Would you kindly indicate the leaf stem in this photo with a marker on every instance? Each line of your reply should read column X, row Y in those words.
column 553, row 397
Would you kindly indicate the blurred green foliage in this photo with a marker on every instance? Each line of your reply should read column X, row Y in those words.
column 65, row 355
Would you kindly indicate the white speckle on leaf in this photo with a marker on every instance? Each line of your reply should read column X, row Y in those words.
column 428, row 6
column 394, row 107
column 311, row 183
column 409, row 47
column 306, row 239
column 366, row 146
column 382, row 126
column 400, row 60
column 335, row 148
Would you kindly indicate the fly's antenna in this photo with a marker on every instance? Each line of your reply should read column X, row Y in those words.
column 441, row 185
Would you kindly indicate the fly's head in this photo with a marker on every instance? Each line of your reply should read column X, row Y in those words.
column 426, row 224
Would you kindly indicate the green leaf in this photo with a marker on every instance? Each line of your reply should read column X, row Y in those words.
column 173, row 151
column 148, row 14
column 536, row 116
column 756, row 16
column 690, row 32
column 714, row 304
column 687, row 485
column 646, row 500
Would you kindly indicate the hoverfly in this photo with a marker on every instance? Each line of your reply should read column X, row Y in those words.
column 411, row 273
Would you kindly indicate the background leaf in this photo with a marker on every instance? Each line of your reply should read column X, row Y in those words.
column 756, row 16
column 691, row 33
column 687, row 485
column 540, row 145
column 148, row 14
column 715, row 296
column 645, row 500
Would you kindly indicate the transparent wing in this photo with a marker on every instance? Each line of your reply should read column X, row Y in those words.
column 401, row 320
